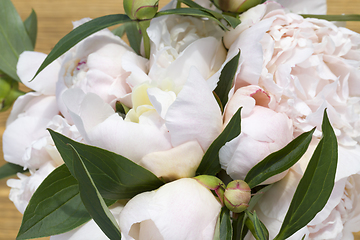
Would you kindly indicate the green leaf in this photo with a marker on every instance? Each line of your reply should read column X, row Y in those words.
column 13, row 39
column 55, row 207
column 80, row 33
column 120, row 31
column 226, row 231
column 115, row 176
column 315, row 186
column 134, row 36
column 339, row 18
column 31, row 27
column 93, row 201
column 194, row 12
column 279, row 161
column 210, row 162
column 9, row 169
column 232, row 21
column 227, row 79
column 9, row 91
column 256, row 227
column 257, row 196
column 240, row 229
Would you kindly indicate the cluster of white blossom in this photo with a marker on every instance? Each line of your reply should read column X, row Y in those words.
column 290, row 69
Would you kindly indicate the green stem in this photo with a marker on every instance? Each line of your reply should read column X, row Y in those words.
column 143, row 26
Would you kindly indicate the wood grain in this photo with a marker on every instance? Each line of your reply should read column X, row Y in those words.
column 54, row 22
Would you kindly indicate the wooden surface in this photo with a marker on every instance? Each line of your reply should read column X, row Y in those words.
column 54, row 22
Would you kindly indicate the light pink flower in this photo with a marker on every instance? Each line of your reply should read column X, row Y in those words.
column 263, row 131
column 183, row 209
column 161, row 125
column 306, row 64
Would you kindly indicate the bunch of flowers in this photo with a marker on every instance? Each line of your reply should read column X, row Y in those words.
column 221, row 120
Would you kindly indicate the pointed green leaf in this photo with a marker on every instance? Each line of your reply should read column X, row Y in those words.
column 134, row 36
column 226, row 231
column 210, row 164
column 239, row 228
column 256, row 227
column 194, row 12
column 315, row 186
column 80, row 33
column 227, row 79
column 339, row 18
column 232, row 21
column 115, row 176
column 92, row 199
column 120, row 31
column 55, row 207
column 9, row 169
column 31, row 27
column 257, row 196
column 13, row 38
column 279, row 161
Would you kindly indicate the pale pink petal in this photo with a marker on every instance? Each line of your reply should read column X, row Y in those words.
column 28, row 64
column 178, row 162
column 195, row 114
column 179, row 210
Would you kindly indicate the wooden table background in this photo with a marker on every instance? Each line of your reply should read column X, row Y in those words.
column 54, row 18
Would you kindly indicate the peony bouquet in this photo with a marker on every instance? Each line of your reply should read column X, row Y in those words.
column 223, row 119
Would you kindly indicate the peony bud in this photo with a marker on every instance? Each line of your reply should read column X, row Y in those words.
column 141, row 9
column 236, row 6
column 237, row 196
column 214, row 184
column 9, row 92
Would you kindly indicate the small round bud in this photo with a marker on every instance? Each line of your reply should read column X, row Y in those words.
column 237, row 196
column 214, row 184
column 9, row 92
column 141, row 9
column 236, row 6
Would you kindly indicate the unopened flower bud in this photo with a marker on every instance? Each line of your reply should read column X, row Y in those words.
column 214, row 184
column 9, row 92
column 237, row 196
column 236, row 6
column 141, row 9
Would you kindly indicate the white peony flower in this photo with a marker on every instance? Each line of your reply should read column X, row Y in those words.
column 307, row 64
column 263, row 131
column 165, row 131
column 183, row 209
column 179, row 43
column 97, row 64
